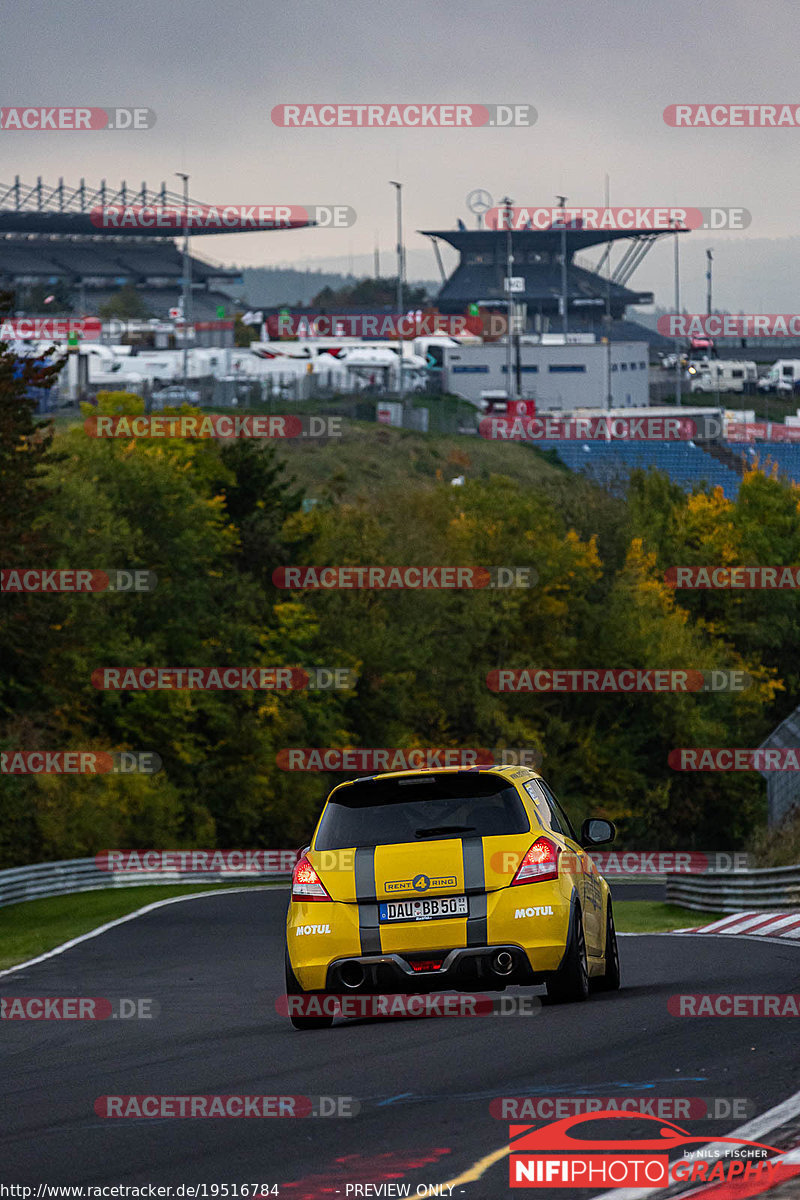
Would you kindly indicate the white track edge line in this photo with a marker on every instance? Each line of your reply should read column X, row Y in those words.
column 139, row 912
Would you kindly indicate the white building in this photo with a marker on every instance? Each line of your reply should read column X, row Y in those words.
column 556, row 376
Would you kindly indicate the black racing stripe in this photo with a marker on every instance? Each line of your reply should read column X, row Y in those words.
column 474, row 886
column 368, row 923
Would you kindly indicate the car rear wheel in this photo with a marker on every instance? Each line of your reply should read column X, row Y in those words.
column 609, row 980
column 570, row 984
column 293, row 989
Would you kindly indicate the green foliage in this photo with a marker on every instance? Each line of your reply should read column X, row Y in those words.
column 778, row 847
column 32, row 298
column 214, row 519
column 243, row 334
column 126, row 305
column 371, row 293
column 25, row 444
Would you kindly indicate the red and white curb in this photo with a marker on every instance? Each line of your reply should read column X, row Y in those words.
column 755, row 924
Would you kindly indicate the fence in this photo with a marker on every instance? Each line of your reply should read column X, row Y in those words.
column 764, row 889
column 83, row 875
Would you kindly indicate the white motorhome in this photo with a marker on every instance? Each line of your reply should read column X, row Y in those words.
column 781, row 377
column 158, row 367
column 721, row 375
column 307, row 348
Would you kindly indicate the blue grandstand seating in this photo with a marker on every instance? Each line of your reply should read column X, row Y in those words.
column 785, row 455
column 611, row 462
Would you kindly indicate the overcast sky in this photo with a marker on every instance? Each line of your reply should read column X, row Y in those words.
column 599, row 76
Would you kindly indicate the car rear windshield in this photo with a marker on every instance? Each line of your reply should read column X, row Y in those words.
column 419, row 809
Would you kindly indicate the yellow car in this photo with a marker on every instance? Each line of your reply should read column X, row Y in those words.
column 458, row 878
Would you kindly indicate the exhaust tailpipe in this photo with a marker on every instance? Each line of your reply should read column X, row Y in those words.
column 503, row 963
column 352, row 974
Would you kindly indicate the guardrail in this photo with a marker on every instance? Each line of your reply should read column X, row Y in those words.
column 759, row 890
column 83, row 875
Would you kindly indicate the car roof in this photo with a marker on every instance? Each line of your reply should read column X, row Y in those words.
column 511, row 772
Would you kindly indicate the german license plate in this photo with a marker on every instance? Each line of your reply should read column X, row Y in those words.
column 424, row 910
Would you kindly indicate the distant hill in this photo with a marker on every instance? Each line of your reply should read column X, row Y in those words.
column 270, row 286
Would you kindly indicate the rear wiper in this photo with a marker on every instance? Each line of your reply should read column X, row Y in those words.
column 435, row 829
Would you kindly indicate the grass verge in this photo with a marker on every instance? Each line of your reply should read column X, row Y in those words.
column 651, row 916
column 36, row 926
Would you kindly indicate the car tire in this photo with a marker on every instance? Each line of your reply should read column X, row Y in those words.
column 570, row 984
column 610, row 979
column 293, row 989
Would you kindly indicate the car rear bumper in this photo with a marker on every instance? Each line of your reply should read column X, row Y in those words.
column 532, row 921
column 468, row 968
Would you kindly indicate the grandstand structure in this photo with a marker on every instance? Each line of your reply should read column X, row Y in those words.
column 592, row 297
column 47, row 237
column 689, row 464
column 686, row 463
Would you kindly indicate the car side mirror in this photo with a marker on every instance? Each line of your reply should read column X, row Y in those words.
column 597, row 832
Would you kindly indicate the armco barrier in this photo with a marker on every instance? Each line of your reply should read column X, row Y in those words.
column 83, row 875
column 761, row 890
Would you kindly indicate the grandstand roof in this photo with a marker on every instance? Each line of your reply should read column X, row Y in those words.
column 480, row 274
column 465, row 240
column 43, row 208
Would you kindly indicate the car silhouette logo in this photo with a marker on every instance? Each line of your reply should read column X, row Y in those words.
column 556, row 1135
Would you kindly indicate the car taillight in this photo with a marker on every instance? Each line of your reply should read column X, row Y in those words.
column 306, row 883
column 541, row 862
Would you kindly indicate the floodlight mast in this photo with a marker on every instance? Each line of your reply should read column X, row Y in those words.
column 187, row 277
